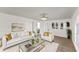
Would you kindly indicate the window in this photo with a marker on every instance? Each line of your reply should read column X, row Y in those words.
column 38, row 25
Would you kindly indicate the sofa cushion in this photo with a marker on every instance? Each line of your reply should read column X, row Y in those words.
column 13, row 40
column 18, row 39
column 14, row 35
column 49, row 38
column 29, row 33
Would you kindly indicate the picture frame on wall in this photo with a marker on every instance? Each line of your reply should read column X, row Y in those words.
column 17, row 27
column 56, row 25
column 61, row 25
column 53, row 25
column 67, row 24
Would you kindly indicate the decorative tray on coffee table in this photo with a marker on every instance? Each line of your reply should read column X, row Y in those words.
column 29, row 47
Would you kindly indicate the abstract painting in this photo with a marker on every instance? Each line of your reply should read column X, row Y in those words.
column 17, row 27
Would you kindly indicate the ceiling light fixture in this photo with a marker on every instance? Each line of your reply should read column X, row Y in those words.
column 44, row 17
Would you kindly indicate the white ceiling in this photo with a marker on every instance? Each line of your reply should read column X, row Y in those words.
column 34, row 12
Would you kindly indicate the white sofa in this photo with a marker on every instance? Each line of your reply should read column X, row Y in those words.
column 14, row 41
column 22, row 38
column 49, row 38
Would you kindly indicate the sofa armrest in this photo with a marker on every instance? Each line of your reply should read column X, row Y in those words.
column 51, row 36
column 4, row 42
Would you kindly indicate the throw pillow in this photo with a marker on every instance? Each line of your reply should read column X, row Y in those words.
column 46, row 34
column 8, row 37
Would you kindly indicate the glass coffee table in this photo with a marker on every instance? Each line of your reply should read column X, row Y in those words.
column 32, row 46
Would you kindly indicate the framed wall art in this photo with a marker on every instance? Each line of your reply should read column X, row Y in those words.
column 56, row 25
column 16, row 27
column 53, row 25
column 61, row 25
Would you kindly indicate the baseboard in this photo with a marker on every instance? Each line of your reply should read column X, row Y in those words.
column 77, row 50
column 61, row 37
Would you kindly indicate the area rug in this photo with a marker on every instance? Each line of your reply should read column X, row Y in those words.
column 64, row 49
column 50, row 47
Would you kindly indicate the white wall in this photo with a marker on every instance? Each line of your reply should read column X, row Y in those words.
column 6, row 21
column 47, row 26
column 75, row 20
